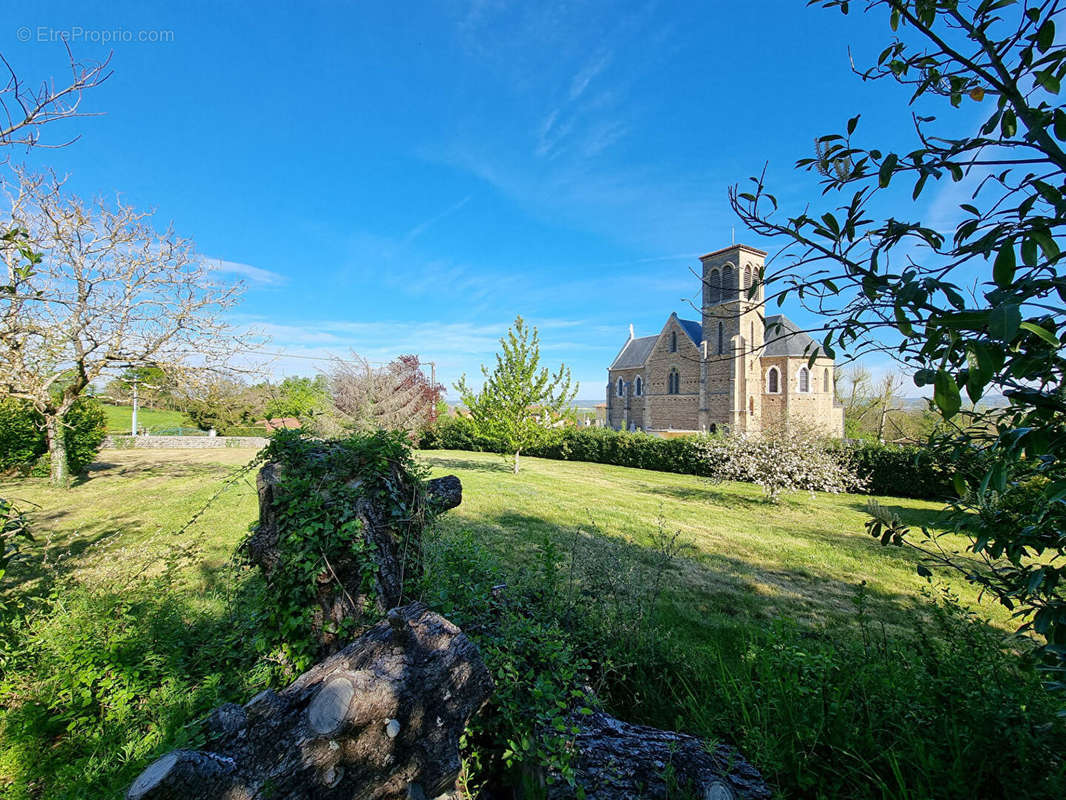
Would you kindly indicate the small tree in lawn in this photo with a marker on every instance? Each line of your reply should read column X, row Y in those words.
column 520, row 400
column 783, row 458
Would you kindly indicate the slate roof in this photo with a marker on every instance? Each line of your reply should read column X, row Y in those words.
column 788, row 340
column 693, row 329
column 635, row 353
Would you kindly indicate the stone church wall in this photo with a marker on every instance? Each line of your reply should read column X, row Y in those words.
column 616, row 406
column 680, row 411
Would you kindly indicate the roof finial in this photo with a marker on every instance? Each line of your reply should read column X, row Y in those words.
column 631, row 330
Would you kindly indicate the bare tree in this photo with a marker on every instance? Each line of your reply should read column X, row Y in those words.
column 24, row 108
column 888, row 400
column 106, row 291
column 397, row 396
column 869, row 405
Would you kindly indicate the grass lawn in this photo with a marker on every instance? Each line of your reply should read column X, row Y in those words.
column 120, row 418
column 750, row 563
column 803, row 558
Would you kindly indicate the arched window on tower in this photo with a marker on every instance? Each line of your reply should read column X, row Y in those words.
column 714, row 289
column 747, row 280
column 773, row 381
column 674, row 381
column 729, row 289
column 638, row 387
column 804, row 379
column 673, row 341
column 721, row 338
column 825, row 381
column 621, row 388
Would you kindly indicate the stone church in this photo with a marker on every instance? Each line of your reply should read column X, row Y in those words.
column 734, row 369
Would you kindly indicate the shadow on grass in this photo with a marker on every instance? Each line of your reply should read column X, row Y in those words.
column 709, row 494
column 703, row 591
column 498, row 464
column 926, row 517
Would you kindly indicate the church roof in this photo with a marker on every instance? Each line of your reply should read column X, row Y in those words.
column 788, row 340
column 693, row 329
column 635, row 353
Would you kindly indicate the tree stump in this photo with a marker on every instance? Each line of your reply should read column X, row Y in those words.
column 396, row 554
column 615, row 759
column 380, row 720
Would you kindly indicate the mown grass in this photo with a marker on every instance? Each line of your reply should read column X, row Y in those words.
column 803, row 558
column 751, row 566
column 120, row 418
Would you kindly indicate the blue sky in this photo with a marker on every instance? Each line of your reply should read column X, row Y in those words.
column 407, row 177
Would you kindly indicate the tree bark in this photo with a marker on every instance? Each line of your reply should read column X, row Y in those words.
column 380, row 720
column 59, row 471
column 516, row 454
column 340, row 596
column 615, row 759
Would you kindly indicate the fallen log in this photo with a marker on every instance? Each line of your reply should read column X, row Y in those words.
column 614, row 759
column 380, row 720
column 394, row 546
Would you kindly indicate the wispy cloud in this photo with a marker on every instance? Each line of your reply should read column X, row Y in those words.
column 423, row 226
column 454, row 347
column 257, row 275
column 585, row 75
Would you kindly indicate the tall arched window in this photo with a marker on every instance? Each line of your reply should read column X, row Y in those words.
column 825, row 381
column 714, row 292
column 804, row 379
column 621, row 388
column 638, row 387
column 773, row 381
column 673, row 341
column 729, row 289
column 674, row 381
column 747, row 280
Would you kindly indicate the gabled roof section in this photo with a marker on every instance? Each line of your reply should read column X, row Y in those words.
column 693, row 329
column 788, row 340
column 635, row 353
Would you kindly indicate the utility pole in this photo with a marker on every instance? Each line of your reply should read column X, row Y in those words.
column 134, row 424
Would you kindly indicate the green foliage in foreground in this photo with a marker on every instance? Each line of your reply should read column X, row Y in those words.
column 983, row 311
column 893, row 470
column 760, row 632
column 320, row 487
column 823, row 713
column 24, row 448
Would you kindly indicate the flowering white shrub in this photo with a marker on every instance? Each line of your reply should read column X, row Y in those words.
column 780, row 460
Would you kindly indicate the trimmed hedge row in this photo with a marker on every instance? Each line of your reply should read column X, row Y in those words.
column 24, row 448
column 892, row 470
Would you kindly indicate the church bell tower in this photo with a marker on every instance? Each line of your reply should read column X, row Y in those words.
column 733, row 329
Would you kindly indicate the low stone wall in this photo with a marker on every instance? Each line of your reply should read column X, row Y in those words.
column 183, row 442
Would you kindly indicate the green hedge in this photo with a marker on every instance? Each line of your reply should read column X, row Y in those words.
column 24, row 448
column 892, row 470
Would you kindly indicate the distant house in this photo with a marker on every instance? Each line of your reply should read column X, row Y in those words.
column 280, row 423
column 733, row 369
